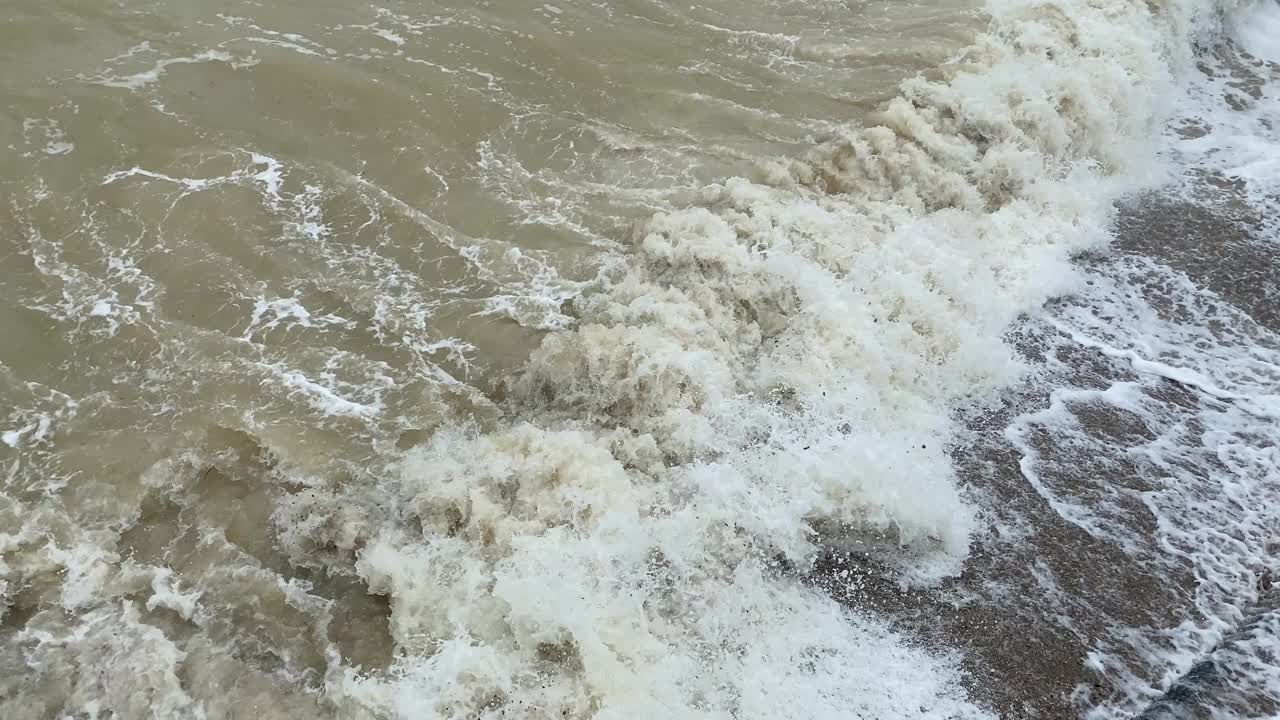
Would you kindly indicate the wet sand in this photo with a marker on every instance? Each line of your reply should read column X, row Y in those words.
column 1058, row 619
column 1037, row 597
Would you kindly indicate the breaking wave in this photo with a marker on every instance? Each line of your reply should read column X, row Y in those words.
column 768, row 373
column 764, row 375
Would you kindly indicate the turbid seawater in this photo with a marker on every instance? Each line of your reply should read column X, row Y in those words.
column 634, row 359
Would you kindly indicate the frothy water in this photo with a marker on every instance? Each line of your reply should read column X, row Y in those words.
column 523, row 360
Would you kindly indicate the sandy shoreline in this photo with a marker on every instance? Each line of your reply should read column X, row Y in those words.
column 1040, row 593
column 1129, row 480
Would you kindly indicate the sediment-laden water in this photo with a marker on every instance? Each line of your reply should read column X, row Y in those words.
column 789, row 359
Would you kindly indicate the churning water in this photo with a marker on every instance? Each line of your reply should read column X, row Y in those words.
column 634, row 359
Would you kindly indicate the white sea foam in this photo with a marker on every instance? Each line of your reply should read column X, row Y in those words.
column 140, row 80
column 1201, row 494
column 1214, row 465
column 767, row 371
column 1231, row 112
column 770, row 372
column 55, row 137
column 1181, row 472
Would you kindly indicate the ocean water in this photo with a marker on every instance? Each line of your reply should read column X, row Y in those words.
column 790, row 359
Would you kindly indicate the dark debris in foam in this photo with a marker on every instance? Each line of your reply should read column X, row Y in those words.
column 1040, row 593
